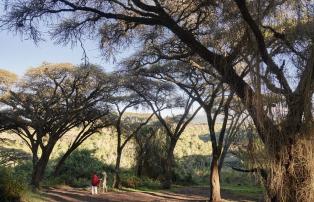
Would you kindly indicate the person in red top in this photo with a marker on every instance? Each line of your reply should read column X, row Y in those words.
column 95, row 183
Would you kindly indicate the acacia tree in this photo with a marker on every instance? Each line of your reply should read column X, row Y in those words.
column 48, row 102
column 222, row 34
column 127, row 125
column 6, row 79
column 160, row 96
column 219, row 104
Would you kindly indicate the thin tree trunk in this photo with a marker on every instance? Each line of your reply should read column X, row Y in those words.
column 139, row 169
column 222, row 158
column 214, row 180
column 117, row 180
column 140, row 162
column 168, row 165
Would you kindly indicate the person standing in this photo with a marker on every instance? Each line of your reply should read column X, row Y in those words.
column 95, row 183
column 104, row 182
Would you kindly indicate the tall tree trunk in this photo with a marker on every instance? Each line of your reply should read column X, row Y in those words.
column 291, row 174
column 214, row 179
column 168, row 165
column 140, row 162
column 39, row 167
column 117, row 180
column 222, row 157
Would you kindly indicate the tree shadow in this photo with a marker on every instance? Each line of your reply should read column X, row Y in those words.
column 67, row 195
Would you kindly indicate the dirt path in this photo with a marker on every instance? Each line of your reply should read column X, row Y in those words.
column 183, row 194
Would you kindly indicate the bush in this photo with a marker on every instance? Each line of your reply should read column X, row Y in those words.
column 11, row 188
column 23, row 171
column 78, row 168
column 192, row 169
column 130, row 181
column 150, row 183
column 80, row 182
column 229, row 176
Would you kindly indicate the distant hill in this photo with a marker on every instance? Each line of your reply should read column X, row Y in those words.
column 201, row 118
column 103, row 145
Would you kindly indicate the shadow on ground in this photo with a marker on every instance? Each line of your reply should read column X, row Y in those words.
column 182, row 194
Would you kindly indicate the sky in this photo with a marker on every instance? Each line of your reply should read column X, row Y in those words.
column 18, row 54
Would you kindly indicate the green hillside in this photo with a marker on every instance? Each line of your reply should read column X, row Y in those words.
column 103, row 145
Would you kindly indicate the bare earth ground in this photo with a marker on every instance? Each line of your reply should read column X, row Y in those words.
column 67, row 194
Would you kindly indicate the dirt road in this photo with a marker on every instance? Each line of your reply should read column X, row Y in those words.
column 68, row 194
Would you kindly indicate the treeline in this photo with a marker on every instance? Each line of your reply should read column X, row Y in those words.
column 49, row 101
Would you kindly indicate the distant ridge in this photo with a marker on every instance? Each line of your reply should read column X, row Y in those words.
column 200, row 119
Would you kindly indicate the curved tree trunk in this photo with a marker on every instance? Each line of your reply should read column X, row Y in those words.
column 214, row 180
column 168, row 165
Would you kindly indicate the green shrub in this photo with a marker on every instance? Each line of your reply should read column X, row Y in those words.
column 23, row 171
column 192, row 169
column 229, row 176
column 150, row 183
column 131, row 181
column 78, row 168
column 11, row 188
column 53, row 181
column 80, row 182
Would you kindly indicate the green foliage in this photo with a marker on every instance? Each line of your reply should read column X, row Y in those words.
column 11, row 188
column 192, row 169
column 24, row 171
column 93, row 154
column 129, row 180
column 78, row 168
column 229, row 176
column 150, row 183
column 155, row 155
column 253, row 192
column 30, row 196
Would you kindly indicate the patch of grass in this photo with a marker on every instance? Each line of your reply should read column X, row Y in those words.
column 243, row 190
column 29, row 196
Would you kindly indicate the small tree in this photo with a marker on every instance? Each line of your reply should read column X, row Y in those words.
column 127, row 125
column 50, row 101
column 160, row 96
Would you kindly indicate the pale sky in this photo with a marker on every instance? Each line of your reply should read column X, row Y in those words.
column 17, row 54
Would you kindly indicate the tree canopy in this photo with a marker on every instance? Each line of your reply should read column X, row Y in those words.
column 49, row 101
column 273, row 39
